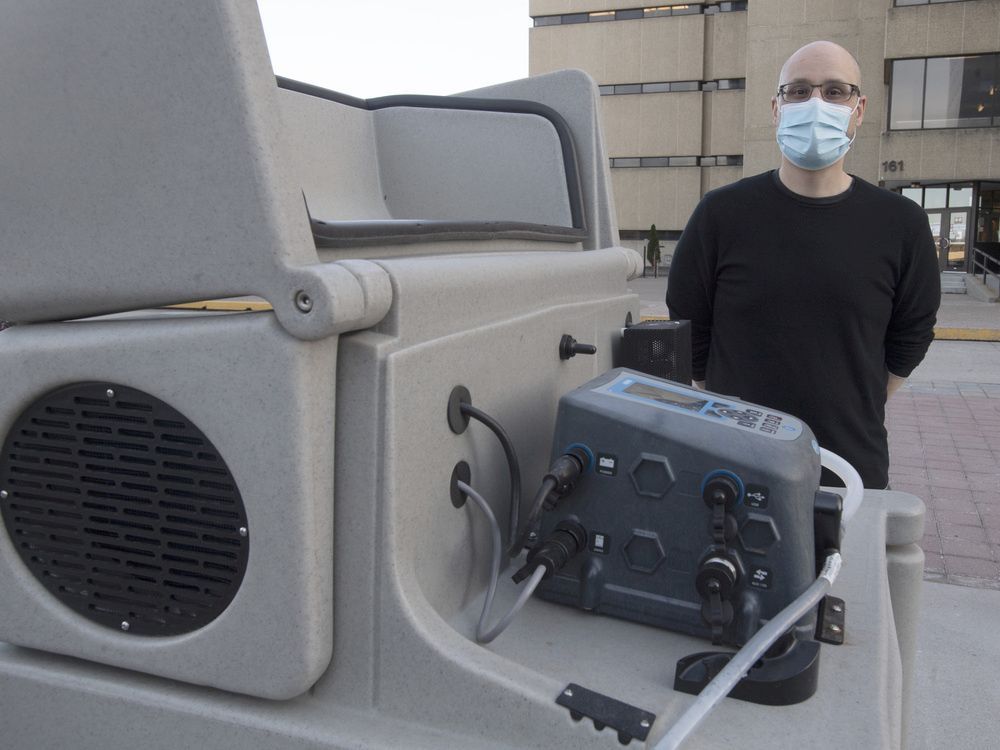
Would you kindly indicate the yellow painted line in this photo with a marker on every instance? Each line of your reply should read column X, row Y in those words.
column 224, row 305
column 967, row 334
column 940, row 334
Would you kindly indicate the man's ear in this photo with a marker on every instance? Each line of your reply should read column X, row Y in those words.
column 860, row 114
column 774, row 111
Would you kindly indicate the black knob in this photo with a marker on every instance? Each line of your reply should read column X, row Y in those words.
column 568, row 347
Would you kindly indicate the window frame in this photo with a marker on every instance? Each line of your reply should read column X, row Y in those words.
column 918, row 3
column 890, row 64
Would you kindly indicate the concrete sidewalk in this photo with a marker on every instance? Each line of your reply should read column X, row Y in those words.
column 944, row 437
column 944, row 447
column 955, row 690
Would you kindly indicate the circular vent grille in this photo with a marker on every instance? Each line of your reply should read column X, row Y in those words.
column 123, row 509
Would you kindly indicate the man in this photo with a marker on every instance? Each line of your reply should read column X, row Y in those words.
column 810, row 290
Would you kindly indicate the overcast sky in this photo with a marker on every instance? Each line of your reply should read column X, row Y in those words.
column 370, row 49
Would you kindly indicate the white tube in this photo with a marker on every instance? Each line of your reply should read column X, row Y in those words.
column 850, row 477
column 747, row 656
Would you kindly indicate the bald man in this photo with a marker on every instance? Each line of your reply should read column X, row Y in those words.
column 808, row 289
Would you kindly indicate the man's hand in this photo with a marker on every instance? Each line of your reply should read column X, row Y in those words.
column 893, row 385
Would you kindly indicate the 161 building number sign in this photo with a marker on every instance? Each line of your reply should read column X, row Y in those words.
column 892, row 166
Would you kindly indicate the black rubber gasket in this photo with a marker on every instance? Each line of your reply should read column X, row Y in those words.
column 348, row 233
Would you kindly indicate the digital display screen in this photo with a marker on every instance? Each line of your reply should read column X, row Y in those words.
column 646, row 390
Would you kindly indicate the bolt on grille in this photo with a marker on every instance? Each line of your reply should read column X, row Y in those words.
column 123, row 509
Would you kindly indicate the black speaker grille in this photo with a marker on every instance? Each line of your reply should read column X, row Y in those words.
column 659, row 348
column 123, row 509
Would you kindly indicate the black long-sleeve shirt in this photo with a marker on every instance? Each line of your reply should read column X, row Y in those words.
column 804, row 304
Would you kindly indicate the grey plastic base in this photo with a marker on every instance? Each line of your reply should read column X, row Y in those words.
column 51, row 701
column 409, row 569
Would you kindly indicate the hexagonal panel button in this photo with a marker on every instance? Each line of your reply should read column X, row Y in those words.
column 652, row 476
column 644, row 552
column 758, row 533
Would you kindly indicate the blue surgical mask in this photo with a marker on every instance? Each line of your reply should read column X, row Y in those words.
column 813, row 134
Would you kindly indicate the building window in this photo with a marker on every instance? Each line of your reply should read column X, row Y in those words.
column 900, row 3
column 685, row 86
column 625, row 162
column 936, row 197
column 945, row 92
column 663, row 87
column 628, row 88
column 631, row 14
column 666, row 235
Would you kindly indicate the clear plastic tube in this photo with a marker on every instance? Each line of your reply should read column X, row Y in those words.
column 851, row 478
column 747, row 656
column 757, row 646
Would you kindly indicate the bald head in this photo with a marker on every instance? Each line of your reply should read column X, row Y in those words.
column 821, row 61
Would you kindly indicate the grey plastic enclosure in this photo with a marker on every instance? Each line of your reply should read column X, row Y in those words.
column 655, row 445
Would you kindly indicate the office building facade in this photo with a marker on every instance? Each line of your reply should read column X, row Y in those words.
column 686, row 99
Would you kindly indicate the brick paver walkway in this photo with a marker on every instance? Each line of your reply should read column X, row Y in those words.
column 944, row 447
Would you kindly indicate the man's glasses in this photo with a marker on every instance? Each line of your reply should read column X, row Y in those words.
column 836, row 92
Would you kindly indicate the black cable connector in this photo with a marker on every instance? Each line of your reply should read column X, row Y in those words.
column 564, row 472
column 566, row 540
column 556, row 484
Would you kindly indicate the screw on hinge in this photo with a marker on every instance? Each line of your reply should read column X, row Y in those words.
column 303, row 301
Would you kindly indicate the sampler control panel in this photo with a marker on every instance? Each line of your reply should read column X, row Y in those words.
column 697, row 511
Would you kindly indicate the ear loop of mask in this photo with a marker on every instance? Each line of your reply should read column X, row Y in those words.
column 853, row 111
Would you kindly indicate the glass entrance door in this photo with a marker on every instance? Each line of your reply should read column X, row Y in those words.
column 958, row 223
column 948, row 209
column 949, row 230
